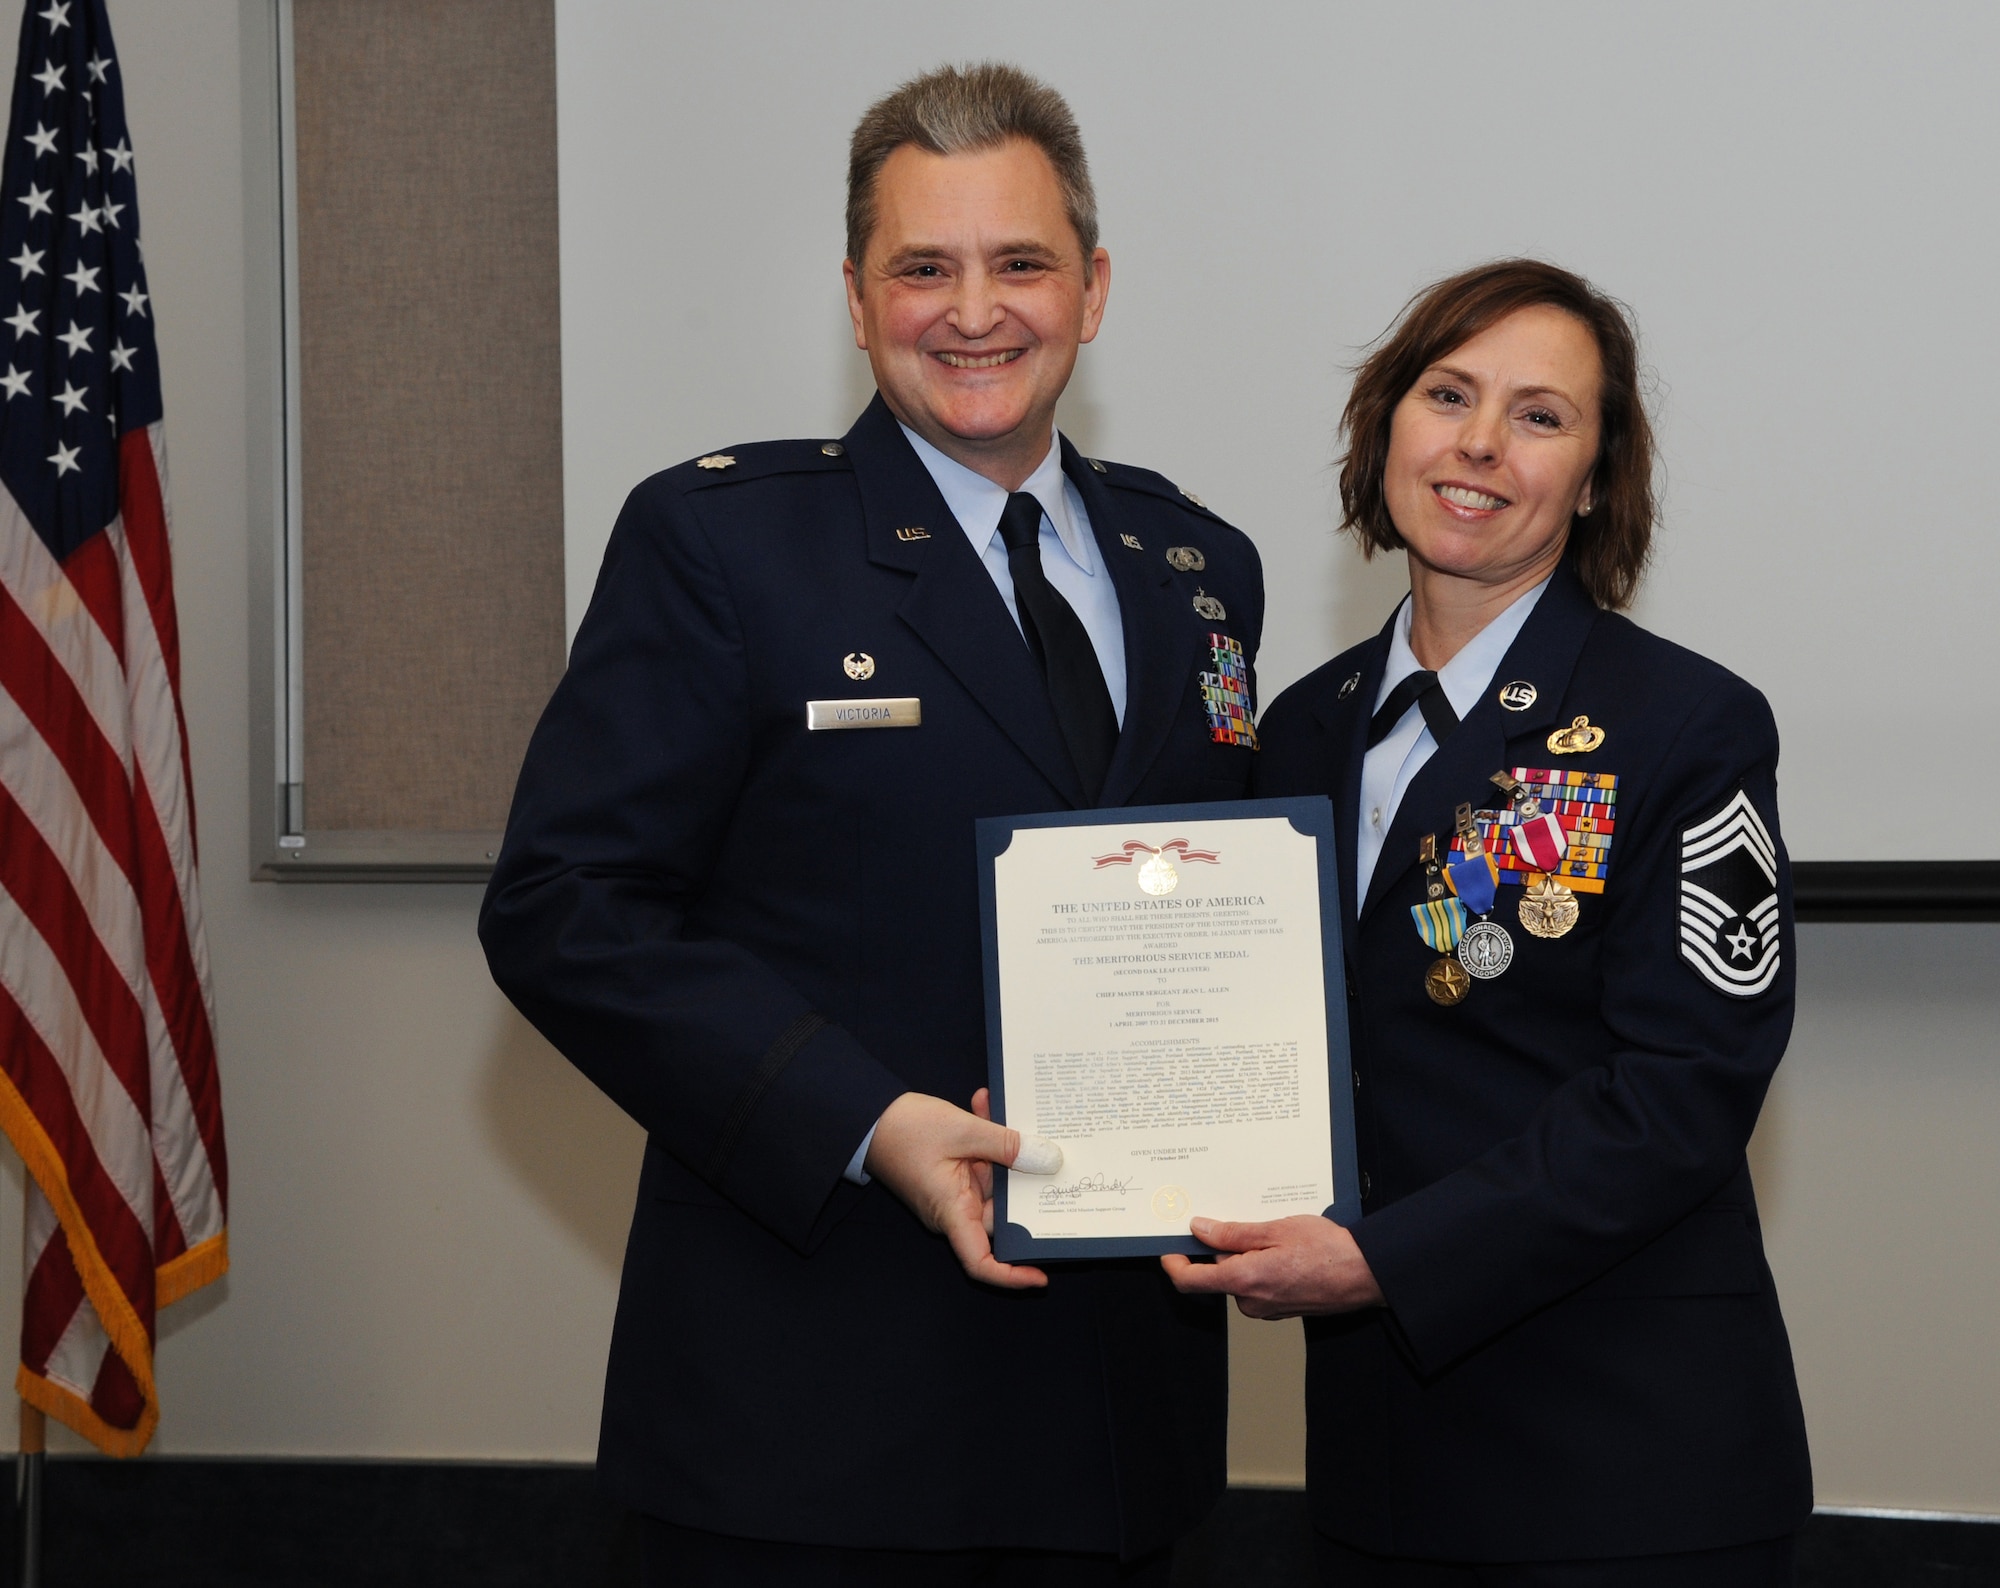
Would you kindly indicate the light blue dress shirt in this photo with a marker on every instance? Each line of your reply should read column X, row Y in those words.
column 1387, row 770
column 1069, row 558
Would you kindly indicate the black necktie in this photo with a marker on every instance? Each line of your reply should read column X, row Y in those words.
column 1061, row 646
column 1429, row 695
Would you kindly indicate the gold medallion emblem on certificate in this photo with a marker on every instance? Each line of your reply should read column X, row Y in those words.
column 1548, row 909
column 1157, row 876
column 1171, row 1203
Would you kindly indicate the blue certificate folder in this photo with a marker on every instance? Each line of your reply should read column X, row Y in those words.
column 1310, row 816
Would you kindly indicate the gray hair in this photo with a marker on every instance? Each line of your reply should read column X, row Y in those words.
column 963, row 110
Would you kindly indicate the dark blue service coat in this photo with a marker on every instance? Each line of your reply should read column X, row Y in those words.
column 1583, row 1353
column 755, row 937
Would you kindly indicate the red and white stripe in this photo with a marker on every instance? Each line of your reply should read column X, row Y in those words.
column 108, row 1083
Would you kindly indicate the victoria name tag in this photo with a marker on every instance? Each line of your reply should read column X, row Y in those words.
column 898, row 711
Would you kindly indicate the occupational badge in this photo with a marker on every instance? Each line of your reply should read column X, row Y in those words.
column 1186, row 558
column 1548, row 909
column 858, row 665
column 1207, row 606
column 1729, row 900
column 1576, row 739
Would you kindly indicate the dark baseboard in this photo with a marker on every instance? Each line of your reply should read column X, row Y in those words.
column 185, row 1523
column 1896, row 890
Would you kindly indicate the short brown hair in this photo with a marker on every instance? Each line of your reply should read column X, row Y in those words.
column 963, row 110
column 1609, row 548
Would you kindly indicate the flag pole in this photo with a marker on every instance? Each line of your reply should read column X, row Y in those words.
column 28, row 1493
column 34, row 1445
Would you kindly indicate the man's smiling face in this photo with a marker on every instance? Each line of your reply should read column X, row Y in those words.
column 971, row 300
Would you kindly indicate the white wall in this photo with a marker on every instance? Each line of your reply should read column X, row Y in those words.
column 1795, row 198
column 429, row 1205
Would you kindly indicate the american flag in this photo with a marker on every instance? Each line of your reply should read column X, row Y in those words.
column 108, row 1083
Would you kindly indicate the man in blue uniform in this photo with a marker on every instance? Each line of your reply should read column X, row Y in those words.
column 739, row 891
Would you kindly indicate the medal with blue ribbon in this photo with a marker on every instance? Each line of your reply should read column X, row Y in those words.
column 1484, row 948
column 1441, row 923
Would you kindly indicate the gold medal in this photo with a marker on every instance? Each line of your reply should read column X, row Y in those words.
column 1548, row 909
column 1447, row 982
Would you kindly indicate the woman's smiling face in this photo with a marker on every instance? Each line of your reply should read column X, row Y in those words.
column 1491, row 451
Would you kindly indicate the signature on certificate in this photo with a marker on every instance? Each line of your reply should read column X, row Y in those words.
column 1088, row 1185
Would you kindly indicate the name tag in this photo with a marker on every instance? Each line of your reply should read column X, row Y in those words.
column 902, row 711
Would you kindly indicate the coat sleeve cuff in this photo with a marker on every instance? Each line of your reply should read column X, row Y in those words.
column 784, row 1153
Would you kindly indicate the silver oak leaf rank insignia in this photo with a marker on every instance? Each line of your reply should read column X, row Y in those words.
column 1729, row 900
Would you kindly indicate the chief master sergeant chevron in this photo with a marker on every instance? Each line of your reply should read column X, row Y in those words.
column 757, row 929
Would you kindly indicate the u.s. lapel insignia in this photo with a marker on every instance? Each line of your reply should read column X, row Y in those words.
column 1729, row 900
column 1578, row 738
column 913, row 532
column 1207, row 606
column 1348, row 686
column 858, row 665
column 1188, row 559
column 1132, row 541
column 716, row 460
column 1518, row 696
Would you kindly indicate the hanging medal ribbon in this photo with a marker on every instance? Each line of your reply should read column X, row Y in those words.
column 1440, row 923
column 1476, row 878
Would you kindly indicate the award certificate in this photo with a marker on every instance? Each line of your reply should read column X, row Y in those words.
column 1164, row 1002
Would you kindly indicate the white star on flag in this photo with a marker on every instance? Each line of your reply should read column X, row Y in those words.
column 37, row 200
column 64, row 458
column 83, row 278
column 72, row 398
column 89, row 219
column 16, row 382
column 57, row 15
column 76, row 339
column 110, row 213
column 30, row 261
column 121, row 156
column 43, row 140
column 50, row 77
column 99, row 64
column 23, row 321
column 88, row 156
column 135, row 302
column 121, row 355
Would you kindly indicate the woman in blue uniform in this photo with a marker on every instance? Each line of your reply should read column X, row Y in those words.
column 1550, row 1352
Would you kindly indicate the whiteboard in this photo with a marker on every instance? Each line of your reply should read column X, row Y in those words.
column 1799, row 202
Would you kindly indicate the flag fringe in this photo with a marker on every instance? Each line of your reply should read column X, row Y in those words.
column 128, row 1336
column 73, row 1411
column 180, row 1277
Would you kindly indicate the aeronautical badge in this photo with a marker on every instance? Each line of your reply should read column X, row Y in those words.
column 1729, row 900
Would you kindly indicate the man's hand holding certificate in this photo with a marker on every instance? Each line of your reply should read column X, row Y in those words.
column 1160, row 1005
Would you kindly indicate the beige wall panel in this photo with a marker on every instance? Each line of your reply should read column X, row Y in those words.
column 431, row 404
